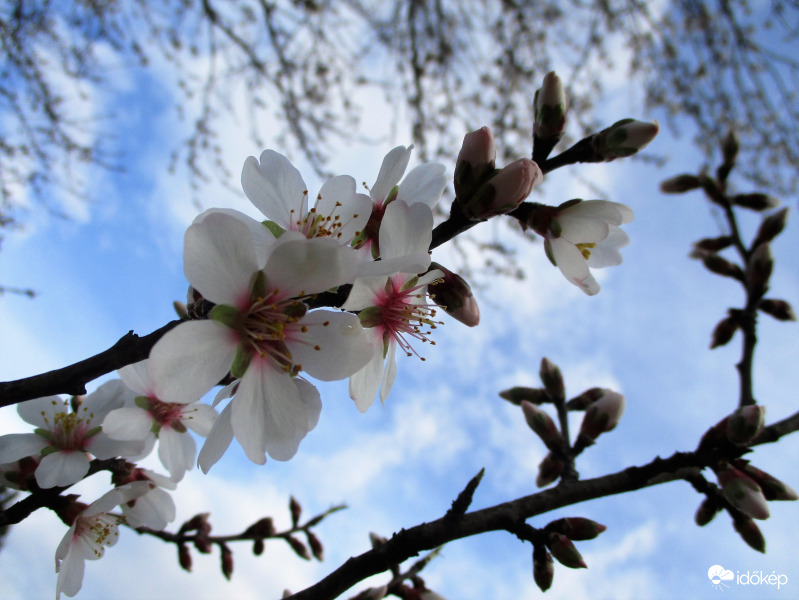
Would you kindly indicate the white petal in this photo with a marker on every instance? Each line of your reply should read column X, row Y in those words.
column 390, row 372
column 199, row 418
column 103, row 447
column 109, row 396
column 606, row 253
column 365, row 383
column 70, row 572
column 137, row 378
column 338, row 199
column 128, row 423
column 191, row 359
column 312, row 400
column 394, row 165
column 219, row 259
column 365, row 292
column 424, row 184
column 299, row 267
column 155, row 509
column 15, row 446
column 105, row 503
column 334, row 345
column 217, row 442
column 276, row 188
column 176, row 451
column 406, row 231
column 41, row 412
column 571, row 263
column 261, row 237
column 61, row 469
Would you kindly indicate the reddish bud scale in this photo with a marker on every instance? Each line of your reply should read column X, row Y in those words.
column 706, row 511
column 586, row 399
column 755, row 201
column 455, row 296
column 505, row 191
column 603, row 415
column 741, row 491
column 550, row 469
column 759, row 269
column 577, row 528
column 565, row 551
column 745, row 423
column 295, row 509
column 299, row 548
column 184, row 557
column 475, row 161
column 750, row 533
column 317, row 548
column 779, row 309
column 227, row 561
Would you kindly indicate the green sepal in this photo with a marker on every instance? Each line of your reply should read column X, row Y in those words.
column 47, row 450
column 296, row 310
column 45, row 433
column 392, row 195
column 410, row 284
column 225, row 315
column 371, row 316
column 548, row 252
column 241, row 361
column 155, row 428
column 258, row 288
column 94, row 431
column 386, row 342
column 143, row 402
column 178, row 426
column 275, row 229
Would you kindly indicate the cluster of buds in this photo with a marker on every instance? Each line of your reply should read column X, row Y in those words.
column 483, row 191
column 559, row 537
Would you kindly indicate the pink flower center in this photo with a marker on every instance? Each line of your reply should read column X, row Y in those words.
column 69, row 431
column 166, row 414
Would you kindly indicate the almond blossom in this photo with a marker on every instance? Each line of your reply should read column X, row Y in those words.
column 261, row 333
column 64, row 439
column 152, row 419
column 395, row 309
column 91, row 530
column 277, row 189
column 581, row 234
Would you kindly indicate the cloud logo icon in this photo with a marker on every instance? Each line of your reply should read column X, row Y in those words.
column 718, row 575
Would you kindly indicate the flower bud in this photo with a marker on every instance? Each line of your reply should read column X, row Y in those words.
column 295, row 509
column 746, row 423
column 706, row 511
column 779, row 309
column 227, row 561
column 552, row 379
column 317, row 548
column 721, row 266
column 262, row 527
column 624, row 138
column 755, row 201
column 705, row 245
column 741, row 491
column 586, row 399
column 771, row 227
column 760, row 266
column 603, row 415
column 543, row 568
column 550, row 469
column 680, row 184
column 454, row 295
column 515, row 395
column 258, row 546
column 475, row 161
column 577, row 528
column 724, row 331
column 184, row 557
column 750, row 532
column 550, row 107
column 540, row 422
column 772, row 488
column 505, row 191
column 565, row 552
column 729, row 148
column 299, row 548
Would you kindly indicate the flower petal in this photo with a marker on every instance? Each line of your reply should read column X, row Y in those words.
column 333, row 345
column 137, row 378
column 128, row 423
column 606, row 253
column 217, row 442
column 41, row 412
column 276, row 188
column 15, row 446
column 406, row 231
column 365, row 292
column 391, row 171
column 571, row 263
column 424, row 184
column 191, row 359
column 365, row 383
column 299, row 267
column 199, row 418
column 61, row 469
column 389, row 373
column 70, row 571
column 176, row 451
column 262, row 239
column 219, row 259
column 339, row 202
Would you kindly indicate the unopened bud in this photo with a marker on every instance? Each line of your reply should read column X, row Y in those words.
column 258, row 546
column 299, row 548
column 746, row 423
column 750, row 532
column 227, row 561
column 540, row 422
column 550, row 469
column 317, row 548
column 721, row 266
column 772, row 488
column 706, row 511
column 603, row 415
column 202, row 544
column 515, row 395
column 505, row 191
column 262, row 528
column 475, row 161
column 755, row 201
column 586, row 399
column 550, row 106
column 723, row 332
column 295, row 509
column 715, row 244
column 771, row 227
column 730, row 147
column 552, row 379
column 624, row 138
column 565, row 552
column 680, row 184
column 577, row 528
column 543, row 568
column 455, row 296
column 184, row 557
column 741, row 491
column 198, row 522
column 779, row 309
column 760, row 266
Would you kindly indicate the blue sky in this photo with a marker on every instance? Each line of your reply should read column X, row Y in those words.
column 117, row 266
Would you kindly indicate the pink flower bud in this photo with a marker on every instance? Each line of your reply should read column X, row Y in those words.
column 565, row 552
column 741, row 491
column 745, row 423
column 603, row 415
column 454, row 295
column 550, row 107
column 624, row 138
column 540, row 422
column 505, row 191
